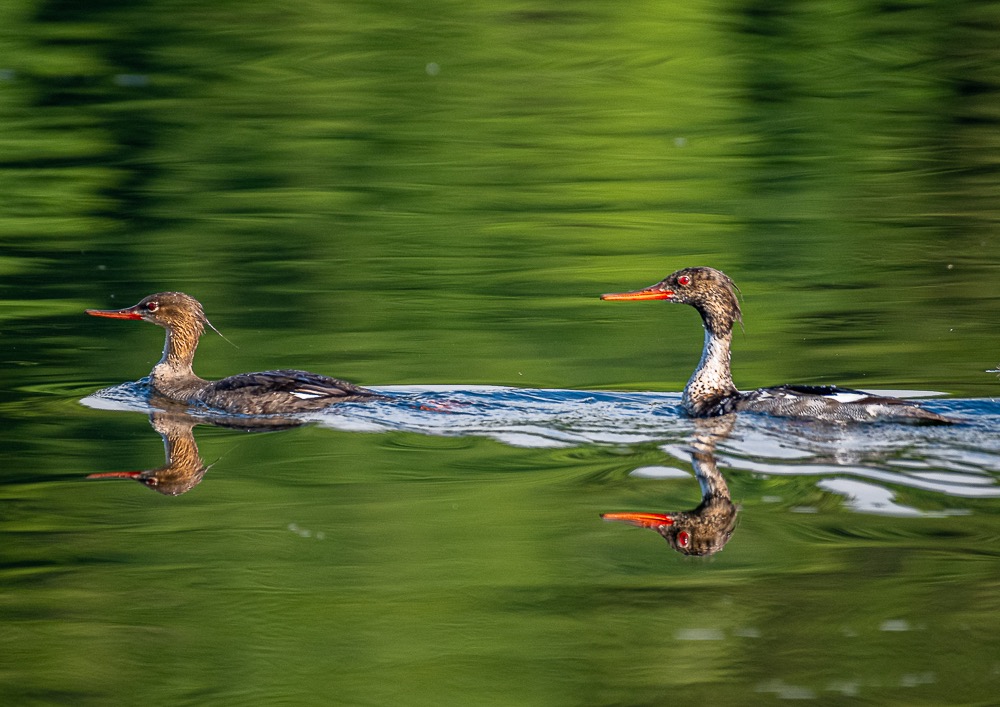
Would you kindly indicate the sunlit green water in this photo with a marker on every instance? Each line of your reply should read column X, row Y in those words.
column 398, row 193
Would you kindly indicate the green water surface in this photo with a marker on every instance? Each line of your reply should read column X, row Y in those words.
column 407, row 193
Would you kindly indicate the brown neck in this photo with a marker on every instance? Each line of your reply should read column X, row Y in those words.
column 180, row 345
column 173, row 376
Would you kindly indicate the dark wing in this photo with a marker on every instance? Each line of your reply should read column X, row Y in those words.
column 282, row 391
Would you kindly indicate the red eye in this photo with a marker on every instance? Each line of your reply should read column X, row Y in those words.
column 684, row 280
column 683, row 538
column 152, row 306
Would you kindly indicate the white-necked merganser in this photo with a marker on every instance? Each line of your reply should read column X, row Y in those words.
column 710, row 391
column 265, row 393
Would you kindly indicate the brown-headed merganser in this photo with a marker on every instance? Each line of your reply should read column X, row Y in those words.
column 264, row 393
column 710, row 391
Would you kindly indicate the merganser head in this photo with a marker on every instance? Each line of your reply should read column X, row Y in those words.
column 171, row 310
column 708, row 290
column 703, row 531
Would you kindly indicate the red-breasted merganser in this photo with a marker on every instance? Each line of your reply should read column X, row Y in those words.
column 264, row 393
column 710, row 391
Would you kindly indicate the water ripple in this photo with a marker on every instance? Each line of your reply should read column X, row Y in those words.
column 860, row 462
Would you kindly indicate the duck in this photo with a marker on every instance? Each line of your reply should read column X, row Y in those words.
column 274, row 392
column 710, row 392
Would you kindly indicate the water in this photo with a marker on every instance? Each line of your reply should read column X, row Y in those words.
column 429, row 200
column 961, row 460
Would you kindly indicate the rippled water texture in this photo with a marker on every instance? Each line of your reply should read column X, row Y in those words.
column 429, row 199
column 961, row 460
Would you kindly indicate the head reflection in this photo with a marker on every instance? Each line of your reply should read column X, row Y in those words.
column 184, row 467
column 706, row 529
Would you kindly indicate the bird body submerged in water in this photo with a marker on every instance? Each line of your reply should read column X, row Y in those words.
column 264, row 393
column 710, row 391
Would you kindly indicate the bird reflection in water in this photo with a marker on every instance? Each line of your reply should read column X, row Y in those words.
column 184, row 468
column 706, row 529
